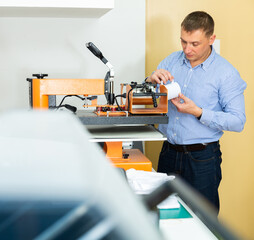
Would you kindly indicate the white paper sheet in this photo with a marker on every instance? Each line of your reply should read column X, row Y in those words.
column 144, row 182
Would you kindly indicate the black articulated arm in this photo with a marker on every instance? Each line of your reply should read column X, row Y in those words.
column 96, row 52
column 109, row 79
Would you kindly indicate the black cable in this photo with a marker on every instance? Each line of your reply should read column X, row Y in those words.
column 69, row 107
column 63, row 100
column 82, row 98
column 118, row 105
column 122, row 95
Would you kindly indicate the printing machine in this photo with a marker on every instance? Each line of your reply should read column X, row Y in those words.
column 145, row 103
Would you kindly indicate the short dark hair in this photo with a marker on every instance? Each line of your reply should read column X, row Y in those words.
column 198, row 20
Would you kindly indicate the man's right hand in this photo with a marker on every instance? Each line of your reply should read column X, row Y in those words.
column 160, row 75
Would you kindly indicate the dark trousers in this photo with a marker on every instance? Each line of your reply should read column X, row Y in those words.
column 201, row 169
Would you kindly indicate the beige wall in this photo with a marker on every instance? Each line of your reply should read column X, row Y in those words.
column 234, row 22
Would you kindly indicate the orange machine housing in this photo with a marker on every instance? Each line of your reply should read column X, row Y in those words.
column 133, row 101
column 42, row 88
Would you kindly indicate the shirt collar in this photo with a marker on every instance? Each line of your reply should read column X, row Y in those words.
column 209, row 60
column 204, row 65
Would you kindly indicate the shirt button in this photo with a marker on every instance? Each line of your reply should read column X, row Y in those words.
column 203, row 122
column 177, row 118
column 185, row 85
column 174, row 134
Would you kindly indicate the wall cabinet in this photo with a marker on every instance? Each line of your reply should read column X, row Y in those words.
column 55, row 8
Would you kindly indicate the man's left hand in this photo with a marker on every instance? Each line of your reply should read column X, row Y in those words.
column 186, row 105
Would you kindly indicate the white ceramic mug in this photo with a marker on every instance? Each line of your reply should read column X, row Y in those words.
column 173, row 89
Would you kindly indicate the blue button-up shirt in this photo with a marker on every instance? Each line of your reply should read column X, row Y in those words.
column 215, row 86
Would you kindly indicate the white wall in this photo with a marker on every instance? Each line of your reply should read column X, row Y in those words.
column 56, row 46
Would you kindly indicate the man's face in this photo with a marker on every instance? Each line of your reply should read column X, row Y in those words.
column 196, row 45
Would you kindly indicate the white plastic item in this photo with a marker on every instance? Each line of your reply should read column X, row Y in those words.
column 173, row 89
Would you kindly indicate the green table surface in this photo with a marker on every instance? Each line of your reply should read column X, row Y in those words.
column 174, row 213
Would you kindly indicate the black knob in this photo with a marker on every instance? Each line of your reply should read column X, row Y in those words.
column 40, row 75
column 125, row 155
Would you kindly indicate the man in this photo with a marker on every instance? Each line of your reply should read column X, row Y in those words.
column 211, row 101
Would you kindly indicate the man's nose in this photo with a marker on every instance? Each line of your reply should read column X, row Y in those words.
column 188, row 48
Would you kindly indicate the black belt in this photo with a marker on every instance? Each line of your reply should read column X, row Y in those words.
column 190, row 147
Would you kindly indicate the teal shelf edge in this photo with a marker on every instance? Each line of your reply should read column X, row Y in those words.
column 174, row 213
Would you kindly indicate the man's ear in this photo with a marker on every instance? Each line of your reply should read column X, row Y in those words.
column 212, row 39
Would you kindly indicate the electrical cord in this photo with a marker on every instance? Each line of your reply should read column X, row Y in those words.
column 60, row 104
column 122, row 95
column 74, row 109
column 82, row 98
column 67, row 106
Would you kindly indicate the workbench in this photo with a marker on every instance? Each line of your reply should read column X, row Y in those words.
column 182, row 224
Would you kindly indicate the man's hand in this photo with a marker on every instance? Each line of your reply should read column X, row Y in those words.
column 160, row 75
column 185, row 105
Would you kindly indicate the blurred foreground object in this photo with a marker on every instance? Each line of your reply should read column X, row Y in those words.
column 55, row 184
